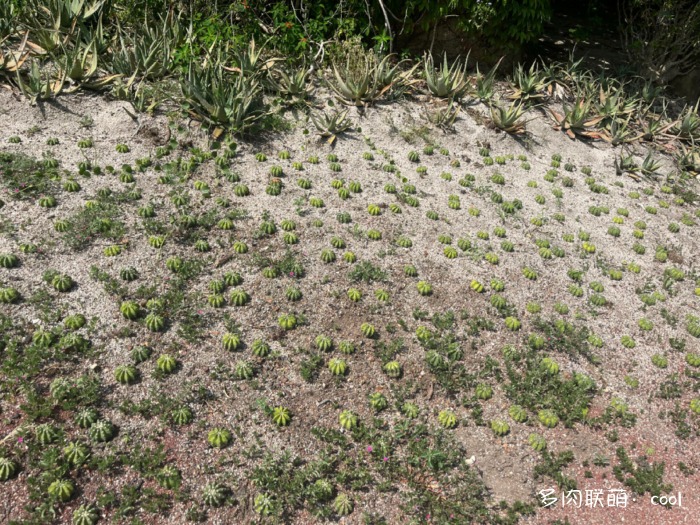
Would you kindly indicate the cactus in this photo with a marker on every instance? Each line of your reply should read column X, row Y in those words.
column 240, row 247
column 287, row 321
column 342, row 505
column 693, row 359
column 381, row 294
column 76, row 453
column 101, row 431
column 627, row 342
column 47, row 201
column 512, row 324
column 45, row 434
column 410, row 410
column 129, row 309
column 500, row 427
column 166, row 363
column 8, row 260
column 61, row 489
column 128, row 274
column 327, row 256
column 346, row 347
column 483, row 391
column 447, row 419
column 214, row 494
column 86, row 417
column 182, row 415
column 392, row 369
column 239, row 297
column 293, row 294
column 550, row 365
column 323, row 343
column 347, row 420
column 169, row 477
column 537, row 442
column 518, row 413
column 264, row 504
column 354, row 294
column 281, row 416
column 8, row 468
column 659, row 360
column 410, row 271
column 424, row 288
column 451, row 253
column 530, row 274
column 374, row 235
column 219, row 437
column 349, row 257
column 548, row 418
column 154, row 322
column 695, row 405
column 374, row 210
column 368, row 330
column 337, row 367
column 231, row 341
column 140, row 353
column 126, row 374
column 62, row 283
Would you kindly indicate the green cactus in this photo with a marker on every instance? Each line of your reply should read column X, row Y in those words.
column 550, row 365
column 337, row 367
column 483, row 391
column 347, row 420
column 378, row 401
column 101, row 431
column 323, row 343
column 328, row 256
column 410, row 410
column 140, row 353
column 281, row 416
column 45, row 434
column 518, row 413
column 169, row 477
column 512, row 324
column 342, row 505
column 264, row 504
column 181, row 416
column 61, row 489
column 8, row 468
column 695, row 405
column 381, row 294
column 287, row 321
column 349, row 257
column 129, row 309
column 8, row 260
column 86, row 417
column 368, row 330
column 548, row 418
column 293, row 293
column 424, row 288
column 154, row 322
column 76, row 453
column 447, row 419
column 62, row 283
column 354, row 294
column 410, row 271
column 500, row 427
column 392, row 369
column 627, row 342
column 219, row 437
column 346, row 347
column 166, row 363
column 126, row 374
column 214, row 494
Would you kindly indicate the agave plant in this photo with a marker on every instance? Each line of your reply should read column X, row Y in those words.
column 293, row 85
column 232, row 101
column 330, row 126
column 485, row 83
column 576, row 120
column 508, row 119
column 362, row 83
column 40, row 84
column 528, row 86
column 687, row 127
column 446, row 81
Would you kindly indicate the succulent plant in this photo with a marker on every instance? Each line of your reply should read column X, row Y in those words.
column 154, row 322
column 512, row 323
column 627, row 342
column 86, row 417
column 392, row 369
column 181, row 415
column 346, row 347
column 659, row 360
column 447, row 419
column 518, row 413
column 337, row 367
column 85, row 515
column 368, row 330
column 537, row 442
column 342, row 505
column 695, row 405
column 410, row 271
column 281, row 416
column 166, row 363
column 293, row 294
column 76, row 453
column 8, row 468
column 424, row 288
column 219, row 437
column 126, row 374
column 548, row 418
column 169, row 477
column 348, row 419
column 101, row 431
column 323, row 343
column 410, row 410
column 349, row 257
column 214, row 494
column 287, row 321
column 550, row 365
column 47, row 201
column 8, row 260
column 61, row 489
column 62, row 282
column 354, row 294
column 264, row 504
column 129, row 309
column 45, row 434
column 243, row 370
column 328, row 255
column 530, row 274
column 500, row 427
column 381, row 294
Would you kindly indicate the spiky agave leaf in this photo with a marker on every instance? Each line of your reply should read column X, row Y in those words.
column 446, row 81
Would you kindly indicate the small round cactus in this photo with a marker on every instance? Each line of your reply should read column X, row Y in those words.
column 338, row 367
column 8, row 468
column 214, row 494
column 293, row 294
column 264, row 504
column 169, row 477
column 101, row 431
column 347, row 419
column 128, row 274
column 447, row 419
column 45, row 434
column 381, row 294
column 695, row 405
column 342, row 505
column 517, row 413
column 378, row 401
column 346, row 347
column 281, row 416
column 154, row 322
column 550, row 365
column 76, row 453
column 61, row 489
column 8, row 260
column 328, row 256
column 140, row 353
column 512, row 323
column 86, row 417
column 287, row 321
column 126, row 374
column 129, row 309
column 182, row 416
column 166, row 363
column 537, row 442
column 260, row 348
column 392, row 369
column 410, row 410
column 243, row 370
column 548, row 418
column 219, row 437
column 85, row 515
column 231, row 341
column 239, row 297
column 354, row 294
column 483, row 391
column 368, row 330
column 500, row 427
column 424, row 288
column 62, row 283
column 323, row 343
